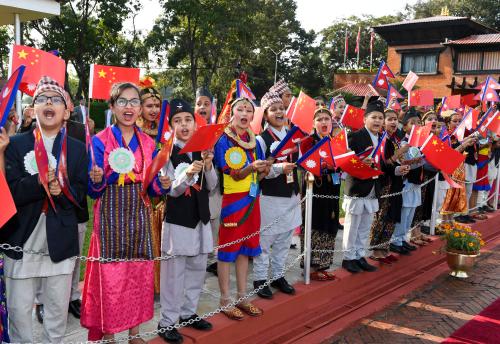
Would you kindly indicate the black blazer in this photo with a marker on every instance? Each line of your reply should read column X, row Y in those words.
column 358, row 142
column 29, row 196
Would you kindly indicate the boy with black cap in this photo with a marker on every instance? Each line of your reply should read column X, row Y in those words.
column 360, row 210
column 187, row 233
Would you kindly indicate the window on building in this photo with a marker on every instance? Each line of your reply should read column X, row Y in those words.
column 473, row 61
column 419, row 63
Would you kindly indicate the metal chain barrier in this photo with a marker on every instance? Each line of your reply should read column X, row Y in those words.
column 204, row 316
column 475, row 181
column 8, row 247
column 485, row 203
column 383, row 196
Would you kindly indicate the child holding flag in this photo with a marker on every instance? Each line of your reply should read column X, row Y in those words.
column 187, row 234
column 243, row 166
column 280, row 189
column 119, row 295
column 45, row 170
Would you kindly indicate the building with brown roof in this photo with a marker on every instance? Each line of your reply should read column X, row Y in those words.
column 451, row 55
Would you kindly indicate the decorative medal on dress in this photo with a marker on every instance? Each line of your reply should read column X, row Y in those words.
column 180, row 170
column 122, row 161
column 235, row 158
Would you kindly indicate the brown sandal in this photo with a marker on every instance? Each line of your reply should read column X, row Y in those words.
column 234, row 313
column 319, row 276
column 250, row 309
column 419, row 242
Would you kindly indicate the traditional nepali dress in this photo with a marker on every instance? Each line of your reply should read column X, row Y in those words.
column 455, row 201
column 119, row 296
column 240, row 214
column 482, row 184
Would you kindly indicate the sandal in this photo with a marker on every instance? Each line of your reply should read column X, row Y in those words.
column 319, row 276
column 418, row 242
column 330, row 275
column 425, row 238
column 250, row 309
column 234, row 313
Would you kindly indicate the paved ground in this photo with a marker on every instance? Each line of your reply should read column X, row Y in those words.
column 432, row 313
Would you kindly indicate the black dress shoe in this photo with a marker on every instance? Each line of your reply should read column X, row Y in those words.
column 39, row 313
column 170, row 336
column 212, row 268
column 351, row 266
column 282, row 285
column 399, row 249
column 363, row 264
column 201, row 324
column 408, row 246
column 265, row 292
column 74, row 308
column 487, row 209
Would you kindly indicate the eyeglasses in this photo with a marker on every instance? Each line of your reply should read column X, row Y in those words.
column 55, row 100
column 134, row 102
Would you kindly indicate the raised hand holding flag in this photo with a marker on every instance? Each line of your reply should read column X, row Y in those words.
column 289, row 144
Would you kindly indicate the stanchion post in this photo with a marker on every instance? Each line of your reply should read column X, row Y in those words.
column 432, row 225
column 307, row 227
column 497, row 186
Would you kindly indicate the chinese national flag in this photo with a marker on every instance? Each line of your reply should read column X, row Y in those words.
column 289, row 144
column 440, row 155
column 317, row 158
column 353, row 117
column 204, row 138
column 38, row 63
column 352, row 164
column 8, row 206
column 468, row 100
column 303, row 113
column 103, row 77
column 339, row 143
column 419, row 134
column 421, row 98
column 200, row 120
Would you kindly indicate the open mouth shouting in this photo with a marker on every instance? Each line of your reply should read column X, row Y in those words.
column 49, row 113
column 128, row 116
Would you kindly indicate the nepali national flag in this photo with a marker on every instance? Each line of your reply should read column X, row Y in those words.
column 103, row 77
column 225, row 112
column 410, row 81
column 291, row 108
column 419, row 134
column 490, row 121
column 8, row 94
column 353, row 117
column 339, row 143
column 481, row 127
column 459, row 131
column 164, row 132
column 317, row 158
column 378, row 153
column 421, row 98
column 303, row 113
column 38, row 63
column 290, row 143
column 243, row 91
column 392, row 92
column 488, row 91
column 393, row 104
column 352, row 164
column 440, row 155
column 383, row 73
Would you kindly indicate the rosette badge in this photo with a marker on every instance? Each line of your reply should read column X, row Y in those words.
column 235, row 158
column 122, row 161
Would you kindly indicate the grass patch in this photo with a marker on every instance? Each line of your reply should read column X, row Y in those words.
column 88, row 233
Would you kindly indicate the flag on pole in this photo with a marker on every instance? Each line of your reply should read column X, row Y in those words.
column 410, row 81
column 291, row 107
column 242, row 90
column 318, row 157
column 225, row 113
column 103, row 77
column 339, row 143
column 303, row 112
column 353, row 117
column 213, row 111
column 440, row 155
column 352, row 164
column 358, row 38
column 38, row 63
column 372, row 40
column 8, row 93
column 164, row 132
column 421, row 98
column 383, row 73
column 289, row 144
column 346, row 46
column 204, row 138
column 419, row 134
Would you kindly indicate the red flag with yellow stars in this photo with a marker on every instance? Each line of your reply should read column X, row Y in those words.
column 204, row 138
column 339, row 143
column 353, row 117
column 421, row 98
column 38, row 63
column 303, row 113
column 352, row 164
column 440, row 155
column 419, row 134
column 103, row 77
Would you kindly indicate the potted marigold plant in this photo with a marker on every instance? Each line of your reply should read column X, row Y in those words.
column 462, row 247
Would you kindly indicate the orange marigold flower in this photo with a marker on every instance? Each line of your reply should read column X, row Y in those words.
column 471, row 244
column 463, row 235
column 456, row 234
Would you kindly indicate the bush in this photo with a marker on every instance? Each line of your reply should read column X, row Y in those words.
column 97, row 111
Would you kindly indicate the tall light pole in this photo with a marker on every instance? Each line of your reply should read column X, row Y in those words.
column 276, row 62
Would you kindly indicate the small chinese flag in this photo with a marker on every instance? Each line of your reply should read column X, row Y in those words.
column 440, row 155
column 421, row 98
column 353, row 117
column 38, row 63
column 419, row 134
column 200, row 120
column 352, row 164
column 291, row 107
column 339, row 143
column 8, row 206
column 303, row 113
column 317, row 158
column 493, row 122
column 204, row 138
column 103, row 77
column 451, row 103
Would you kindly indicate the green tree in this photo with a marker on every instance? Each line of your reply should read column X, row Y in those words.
column 5, row 41
column 91, row 31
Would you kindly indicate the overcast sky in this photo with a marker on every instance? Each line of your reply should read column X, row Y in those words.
column 313, row 14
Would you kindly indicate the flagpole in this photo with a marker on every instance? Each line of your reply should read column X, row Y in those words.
column 345, row 48
column 358, row 39
column 371, row 56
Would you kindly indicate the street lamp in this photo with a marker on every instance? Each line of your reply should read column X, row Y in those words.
column 276, row 63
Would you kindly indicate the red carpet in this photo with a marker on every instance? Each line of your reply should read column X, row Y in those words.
column 484, row 328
